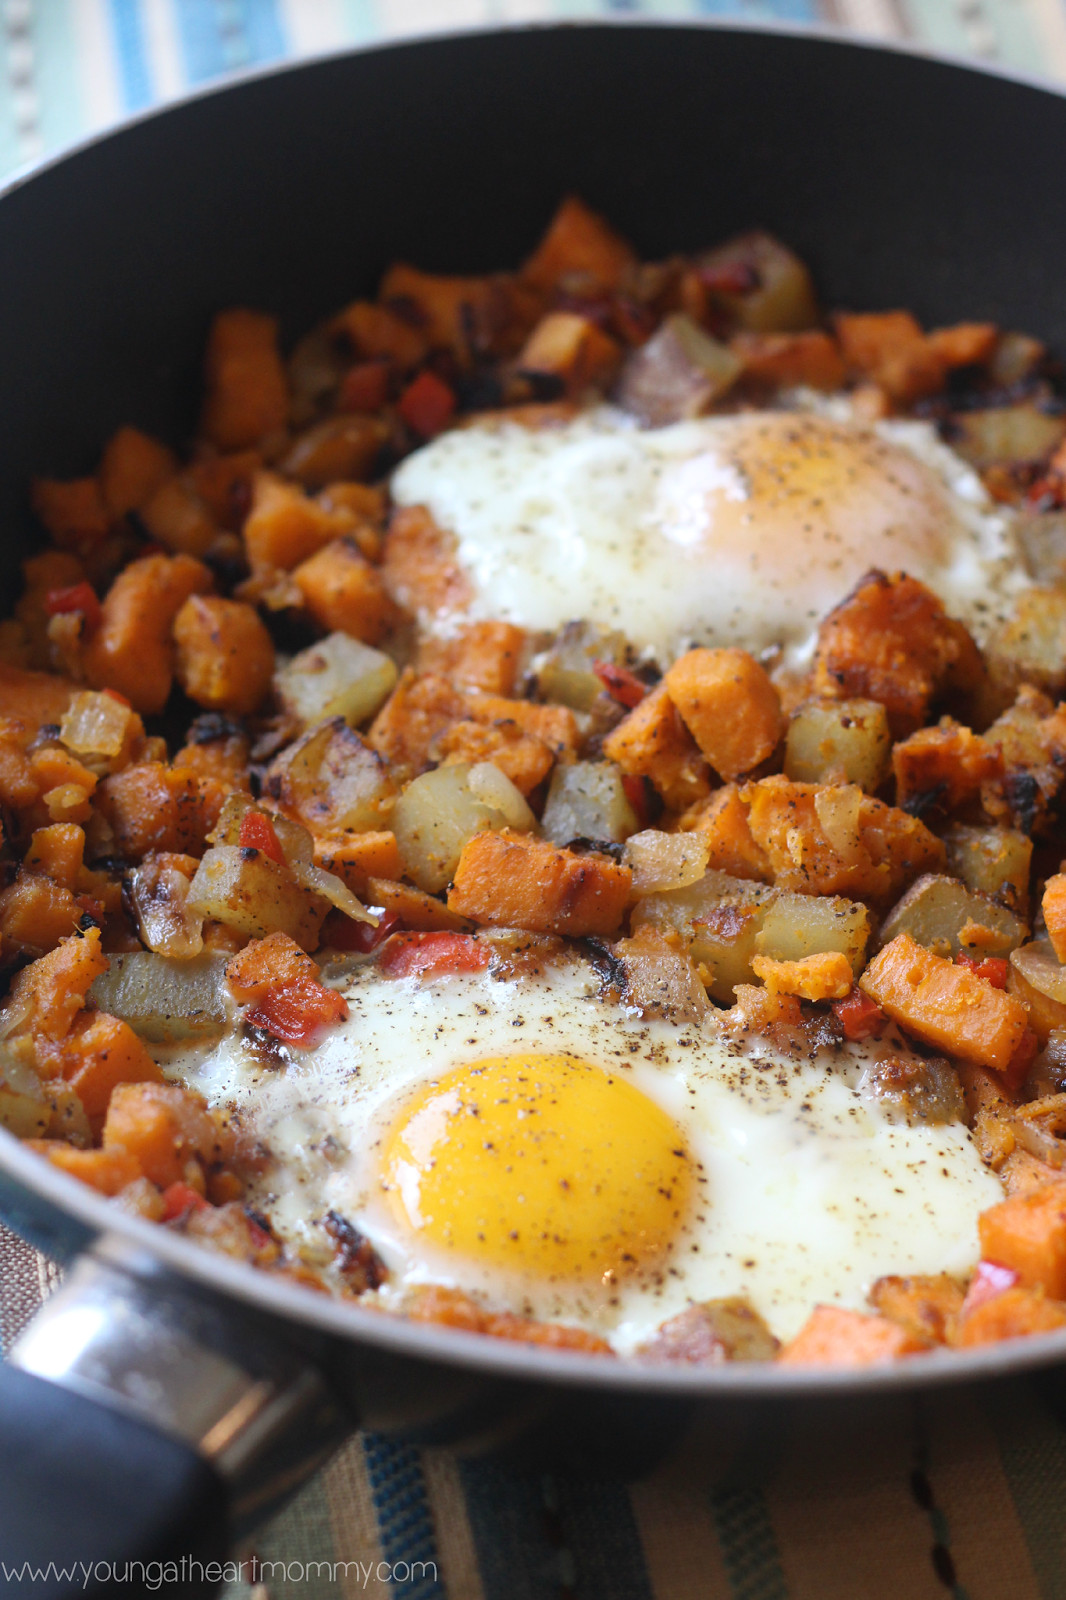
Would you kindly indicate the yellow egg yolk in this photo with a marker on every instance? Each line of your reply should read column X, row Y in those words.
column 542, row 1164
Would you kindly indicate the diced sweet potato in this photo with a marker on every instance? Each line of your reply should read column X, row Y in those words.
column 524, row 757
column 1053, row 906
column 99, row 1053
column 225, row 656
column 1031, row 738
column 461, row 315
column 132, row 468
column 964, row 344
column 833, row 1337
column 266, row 964
column 578, row 243
column 34, row 698
column 377, row 333
column 417, row 910
column 178, row 519
column 55, row 986
column 163, row 1127
column 939, row 769
column 827, row 976
column 224, row 484
column 891, row 640
column 653, row 742
column 36, row 913
column 356, row 857
column 1014, row 1314
column 416, row 713
column 346, row 594
column 108, row 1171
column 131, row 651
column 511, row 880
column 928, row 1306
column 1028, row 1233
column 834, row 839
column 945, row 1005
column 455, row 1309
column 419, row 565
column 481, row 655
column 154, row 807
column 571, row 348
column 59, row 852
column 73, row 512
column 344, row 446
column 285, row 526
column 890, row 348
column 729, row 705
column 723, row 820
column 786, row 360
column 19, row 786
column 247, row 396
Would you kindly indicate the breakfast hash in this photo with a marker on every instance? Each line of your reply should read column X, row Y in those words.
column 546, row 817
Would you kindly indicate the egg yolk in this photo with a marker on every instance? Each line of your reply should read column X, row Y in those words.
column 543, row 1164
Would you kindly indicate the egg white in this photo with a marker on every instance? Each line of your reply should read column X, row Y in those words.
column 808, row 1190
column 741, row 529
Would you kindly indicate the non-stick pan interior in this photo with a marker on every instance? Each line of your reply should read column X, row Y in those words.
column 905, row 182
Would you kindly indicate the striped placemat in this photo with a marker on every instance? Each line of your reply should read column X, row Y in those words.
column 69, row 67
column 959, row 1495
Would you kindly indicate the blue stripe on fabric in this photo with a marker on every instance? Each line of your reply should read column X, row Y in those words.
column 127, row 26
column 520, row 1549
column 600, row 1535
column 777, row 10
column 203, row 47
column 748, row 1544
column 262, row 29
column 405, row 1522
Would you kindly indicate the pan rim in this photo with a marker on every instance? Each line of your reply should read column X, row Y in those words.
column 309, row 1311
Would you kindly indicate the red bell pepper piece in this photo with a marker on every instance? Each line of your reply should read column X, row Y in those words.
column 364, row 387
column 76, row 597
column 257, row 833
column 860, row 1017
column 993, row 969
column 432, row 955
column 179, row 1199
column 621, row 684
column 427, row 405
column 298, row 1011
column 988, row 1280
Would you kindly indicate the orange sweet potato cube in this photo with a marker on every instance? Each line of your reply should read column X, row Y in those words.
column 1053, row 906
column 653, row 742
column 100, row 1052
column 578, row 243
column 163, row 1127
column 511, row 880
column 225, row 656
column 833, row 1337
column 107, row 1171
column 729, row 705
column 247, row 396
column 1014, row 1314
column 266, row 964
column 346, row 594
column 355, row 857
column 723, row 821
column 133, row 467
column 1028, row 1232
column 55, row 986
column 131, row 650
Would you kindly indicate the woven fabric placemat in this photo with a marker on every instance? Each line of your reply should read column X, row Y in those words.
column 960, row 1494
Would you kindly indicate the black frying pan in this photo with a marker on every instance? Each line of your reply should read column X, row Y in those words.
column 169, row 1398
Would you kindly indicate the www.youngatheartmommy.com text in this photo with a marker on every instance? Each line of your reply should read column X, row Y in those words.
column 155, row 1576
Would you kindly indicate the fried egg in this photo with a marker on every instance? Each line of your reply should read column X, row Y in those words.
column 533, row 1141
column 741, row 529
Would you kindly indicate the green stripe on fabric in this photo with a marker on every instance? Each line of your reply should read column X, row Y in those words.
column 748, row 1543
column 1032, row 1448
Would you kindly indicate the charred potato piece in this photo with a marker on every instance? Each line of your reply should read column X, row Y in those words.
column 993, row 862
column 586, row 800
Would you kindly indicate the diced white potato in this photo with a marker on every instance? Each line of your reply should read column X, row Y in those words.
column 838, row 741
column 495, row 789
column 586, row 800
column 992, row 861
column 798, row 925
column 719, row 918
column 1039, row 978
column 662, row 861
column 565, row 673
column 439, row 811
column 163, row 999
column 1006, row 433
column 1030, row 646
column 661, row 980
column 24, row 1109
column 333, row 781
column 941, row 913
column 249, row 892
column 337, row 677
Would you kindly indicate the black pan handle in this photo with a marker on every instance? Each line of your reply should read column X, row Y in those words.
column 145, row 1426
column 94, row 1502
